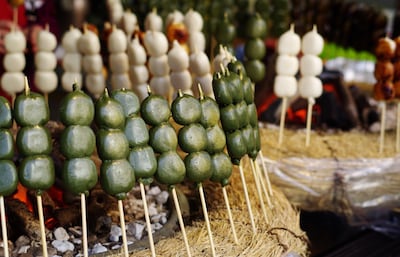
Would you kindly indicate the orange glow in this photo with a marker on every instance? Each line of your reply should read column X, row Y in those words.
column 22, row 195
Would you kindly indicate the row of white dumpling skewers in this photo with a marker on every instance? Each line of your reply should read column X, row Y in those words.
column 309, row 85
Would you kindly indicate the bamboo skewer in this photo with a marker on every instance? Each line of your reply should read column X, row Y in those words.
column 4, row 226
column 123, row 228
column 205, row 213
column 383, row 126
column 246, row 195
column 398, row 128
column 308, row 125
column 257, row 182
column 42, row 227
column 261, row 156
column 147, row 217
column 84, row 226
column 260, row 177
column 180, row 219
column 282, row 120
column 228, row 208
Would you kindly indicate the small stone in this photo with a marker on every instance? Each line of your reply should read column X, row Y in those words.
column 63, row 246
column 154, row 191
column 163, row 219
column 22, row 241
column 156, row 218
column 98, row 248
column 152, row 209
column 139, row 230
column 23, row 249
column 115, row 233
column 162, row 197
column 76, row 231
column 77, row 241
column 61, row 234
column 114, row 247
column 51, row 251
column 157, row 226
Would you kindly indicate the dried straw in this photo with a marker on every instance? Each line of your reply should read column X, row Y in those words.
column 283, row 233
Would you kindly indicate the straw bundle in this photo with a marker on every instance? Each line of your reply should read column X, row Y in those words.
column 281, row 235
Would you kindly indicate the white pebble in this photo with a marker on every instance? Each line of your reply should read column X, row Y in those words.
column 152, row 209
column 61, row 234
column 162, row 197
column 139, row 230
column 154, row 191
column 115, row 233
column 98, row 248
column 24, row 249
column 63, row 246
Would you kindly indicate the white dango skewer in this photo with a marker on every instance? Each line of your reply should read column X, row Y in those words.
column 178, row 61
column 13, row 79
column 45, row 78
column 115, row 11
column 156, row 45
column 310, row 86
column 194, row 24
column 72, row 59
column 287, row 65
column 92, row 63
column 153, row 21
column 118, row 59
column 200, row 66
column 129, row 23
column 138, row 72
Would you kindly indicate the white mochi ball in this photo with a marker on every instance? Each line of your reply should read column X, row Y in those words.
column 178, row 58
column 119, row 81
column 69, row 78
column 14, row 41
column 199, row 63
column 156, row 43
column 70, row 39
column 95, row 84
column 72, row 62
column 197, row 41
column 46, row 81
column 312, row 42
column 45, row 61
column 14, row 62
column 116, row 41
column 160, row 85
column 158, row 66
column 310, row 87
column 289, row 42
column 136, row 53
column 118, row 62
column 181, row 80
column 89, row 43
column 139, row 74
column 13, row 82
column 46, row 41
column 287, row 65
column 285, row 86
column 310, row 65
column 153, row 22
column 92, row 63
column 193, row 20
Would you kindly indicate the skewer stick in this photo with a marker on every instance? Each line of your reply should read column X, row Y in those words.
column 256, row 180
column 84, row 226
column 261, row 156
column 398, row 128
column 42, row 228
column 228, row 208
column 180, row 219
column 282, row 120
column 264, row 188
column 147, row 217
column 123, row 228
column 308, row 125
column 246, row 195
column 383, row 126
column 15, row 16
column 205, row 213
column 4, row 227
